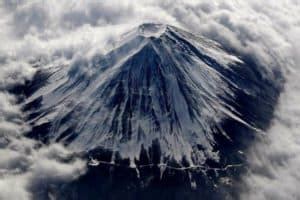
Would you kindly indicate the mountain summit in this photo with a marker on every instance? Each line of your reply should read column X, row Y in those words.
column 161, row 86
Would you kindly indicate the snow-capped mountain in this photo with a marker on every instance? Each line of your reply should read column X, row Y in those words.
column 159, row 85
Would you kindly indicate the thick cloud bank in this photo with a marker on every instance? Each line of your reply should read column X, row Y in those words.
column 62, row 31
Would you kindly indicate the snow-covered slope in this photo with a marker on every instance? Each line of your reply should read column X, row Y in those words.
column 159, row 85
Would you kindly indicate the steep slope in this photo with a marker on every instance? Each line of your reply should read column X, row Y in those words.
column 161, row 86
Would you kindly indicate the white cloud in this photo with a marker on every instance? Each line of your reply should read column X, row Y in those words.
column 65, row 30
column 25, row 169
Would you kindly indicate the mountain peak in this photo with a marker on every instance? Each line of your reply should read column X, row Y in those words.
column 161, row 85
column 146, row 30
column 152, row 29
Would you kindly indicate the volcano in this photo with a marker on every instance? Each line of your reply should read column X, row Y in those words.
column 161, row 94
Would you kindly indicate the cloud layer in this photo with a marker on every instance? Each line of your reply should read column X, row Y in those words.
column 66, row 30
